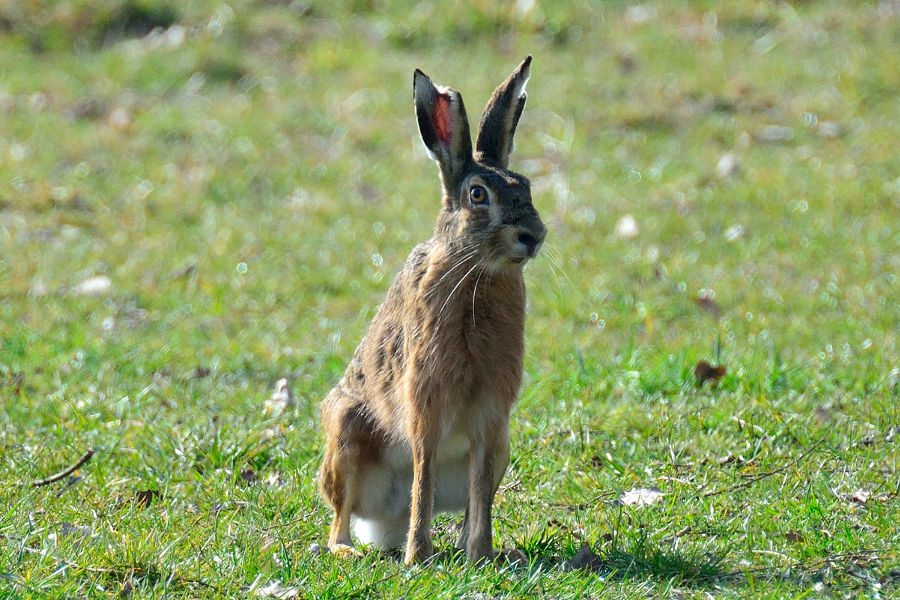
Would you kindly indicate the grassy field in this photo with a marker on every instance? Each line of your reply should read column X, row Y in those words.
column 199, row 198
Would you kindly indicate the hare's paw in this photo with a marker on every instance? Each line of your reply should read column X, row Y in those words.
column 345, row 552
column 418, row 552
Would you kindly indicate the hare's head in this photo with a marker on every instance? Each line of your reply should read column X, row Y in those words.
column 487, row 208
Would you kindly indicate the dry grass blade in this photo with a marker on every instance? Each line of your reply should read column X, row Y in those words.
column 65, row 473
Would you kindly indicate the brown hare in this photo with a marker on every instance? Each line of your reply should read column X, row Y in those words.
column 420, row 420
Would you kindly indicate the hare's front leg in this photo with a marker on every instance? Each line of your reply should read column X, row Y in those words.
column 488, row 459
column 418, row 543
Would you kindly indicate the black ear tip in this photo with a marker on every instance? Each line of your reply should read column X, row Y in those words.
column 419, row 77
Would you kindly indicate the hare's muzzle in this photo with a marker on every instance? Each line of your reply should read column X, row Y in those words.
column 529, row 238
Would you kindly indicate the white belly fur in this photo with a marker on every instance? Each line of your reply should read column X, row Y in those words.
column 381, row 517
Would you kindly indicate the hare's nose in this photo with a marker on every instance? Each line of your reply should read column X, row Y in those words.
column 530, row 242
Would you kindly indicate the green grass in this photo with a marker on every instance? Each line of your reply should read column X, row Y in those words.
column 250, row 183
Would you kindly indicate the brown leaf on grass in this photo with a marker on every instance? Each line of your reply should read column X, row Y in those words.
column 706, row 372
column 794, row 537
column 584, row 559
column 709, row 305
column 860, row 497
column 249, row 476
column 127, row 587
column 144, row 498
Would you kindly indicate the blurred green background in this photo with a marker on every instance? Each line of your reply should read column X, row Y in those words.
column 198, row 198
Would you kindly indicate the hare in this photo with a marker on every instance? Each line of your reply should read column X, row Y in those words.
column 420, row 420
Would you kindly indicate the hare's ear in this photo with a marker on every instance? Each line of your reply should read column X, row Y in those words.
column 444, row 128
column 500, row 117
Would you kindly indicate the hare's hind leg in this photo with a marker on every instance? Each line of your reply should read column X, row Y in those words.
column 336, row 485
column 348, row 438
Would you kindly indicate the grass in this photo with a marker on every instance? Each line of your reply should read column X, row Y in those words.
column 250, row 179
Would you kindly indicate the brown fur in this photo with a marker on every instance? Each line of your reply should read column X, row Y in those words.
column 421, row 414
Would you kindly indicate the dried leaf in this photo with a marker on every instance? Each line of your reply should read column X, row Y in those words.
column 583, row 559
column 249, row 476
column 706, row 372
column 640, row 496
column 860, row 496
column 709, row 305
column 276, row 590
column 794, row 537
column 127, row 586
column 274, row 479
column 144, row 498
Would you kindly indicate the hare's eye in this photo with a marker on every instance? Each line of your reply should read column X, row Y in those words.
column 478, row 195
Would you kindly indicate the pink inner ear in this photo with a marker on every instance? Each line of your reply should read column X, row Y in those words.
column 441, row 118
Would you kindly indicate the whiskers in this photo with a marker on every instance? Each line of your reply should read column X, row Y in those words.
column 467, row 253
column 554, row 261
column 456, row 287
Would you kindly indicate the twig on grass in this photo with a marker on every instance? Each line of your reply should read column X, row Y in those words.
column 63, row 474
column 765, row 475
